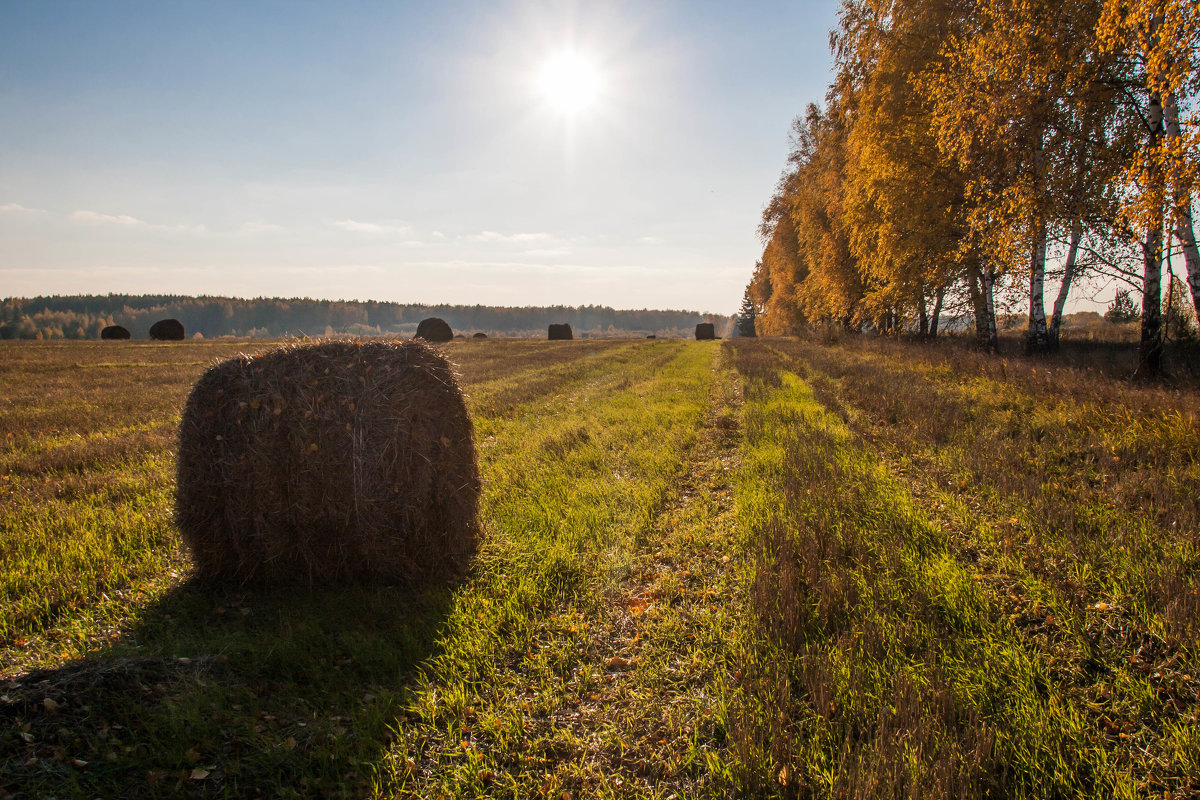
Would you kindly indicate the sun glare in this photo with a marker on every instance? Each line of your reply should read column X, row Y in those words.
column 569, row 81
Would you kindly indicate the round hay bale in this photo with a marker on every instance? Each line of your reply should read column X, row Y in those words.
column 705, row 330
column 434, row 330
column 326, row 462
column 114, row 332
column 167, row 329
column 560, row 331
column 479, row 336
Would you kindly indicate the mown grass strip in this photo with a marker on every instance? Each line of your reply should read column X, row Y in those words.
column 301, row 695
column 880, row 667
column 574, row 483
column 88, row 495
column 1074, row 509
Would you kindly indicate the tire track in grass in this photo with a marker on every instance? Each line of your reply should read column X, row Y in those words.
column 611, row 688
column 653, row 726
column 993, row 646
column 1110, row 657
column 882, row 669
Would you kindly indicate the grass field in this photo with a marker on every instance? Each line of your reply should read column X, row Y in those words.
column 755, row 568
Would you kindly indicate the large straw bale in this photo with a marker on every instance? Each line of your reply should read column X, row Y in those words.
column 560, row 331
column 167, row 329
column 318, row 463
column 434, row 329
column 114, row 332
column 705, row 330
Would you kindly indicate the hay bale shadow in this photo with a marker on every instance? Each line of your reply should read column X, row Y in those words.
column 234, row 692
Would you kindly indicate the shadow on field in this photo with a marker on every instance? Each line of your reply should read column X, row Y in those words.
column 224, row 692
column 1107, row 359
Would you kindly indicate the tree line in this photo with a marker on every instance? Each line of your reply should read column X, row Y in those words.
column 974, row 152
column 84, row 316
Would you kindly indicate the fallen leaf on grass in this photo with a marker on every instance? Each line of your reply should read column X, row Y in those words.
column 198, row 774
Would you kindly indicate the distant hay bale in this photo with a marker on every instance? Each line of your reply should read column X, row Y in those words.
column 479, row 336
column 325, row 462
column 434, row 330
column 559, row 331
column 167, row 329
column 705, row 330
column 114, row 332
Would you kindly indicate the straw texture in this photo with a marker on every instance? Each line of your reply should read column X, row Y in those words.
column 321, row 463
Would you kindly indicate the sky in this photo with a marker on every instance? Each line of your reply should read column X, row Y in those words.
column 399, row 151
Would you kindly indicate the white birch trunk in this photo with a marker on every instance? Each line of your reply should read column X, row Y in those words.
column 1185, row 231
column 1064, row 289
column 937, row 313
column 1036, row 339
column 1150, row 345
column 988, row 279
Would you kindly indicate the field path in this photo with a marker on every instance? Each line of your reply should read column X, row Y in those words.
column 635, row 705
column 653, row 718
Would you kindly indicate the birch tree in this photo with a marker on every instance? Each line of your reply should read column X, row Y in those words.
column 903, row 198
column 780, row 271
column 1023, row 91
column 833, row 288
column 1157, row 44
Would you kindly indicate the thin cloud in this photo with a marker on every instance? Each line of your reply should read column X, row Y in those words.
column 96, row 218
column 259, row 227
column 548, row 252
column 84, row 217
column 508, row 238
column 357, row 226
column 17, row 208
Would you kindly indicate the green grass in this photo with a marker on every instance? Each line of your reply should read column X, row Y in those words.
column 158, row 687
column 575, row 504
column 957, row 593
column 758, row 568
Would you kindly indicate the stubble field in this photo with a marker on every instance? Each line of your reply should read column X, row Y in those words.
column 758, row 568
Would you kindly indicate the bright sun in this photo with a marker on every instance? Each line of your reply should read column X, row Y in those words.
column 569, row 81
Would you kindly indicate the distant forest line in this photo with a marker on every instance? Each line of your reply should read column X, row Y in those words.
column 84, row 316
